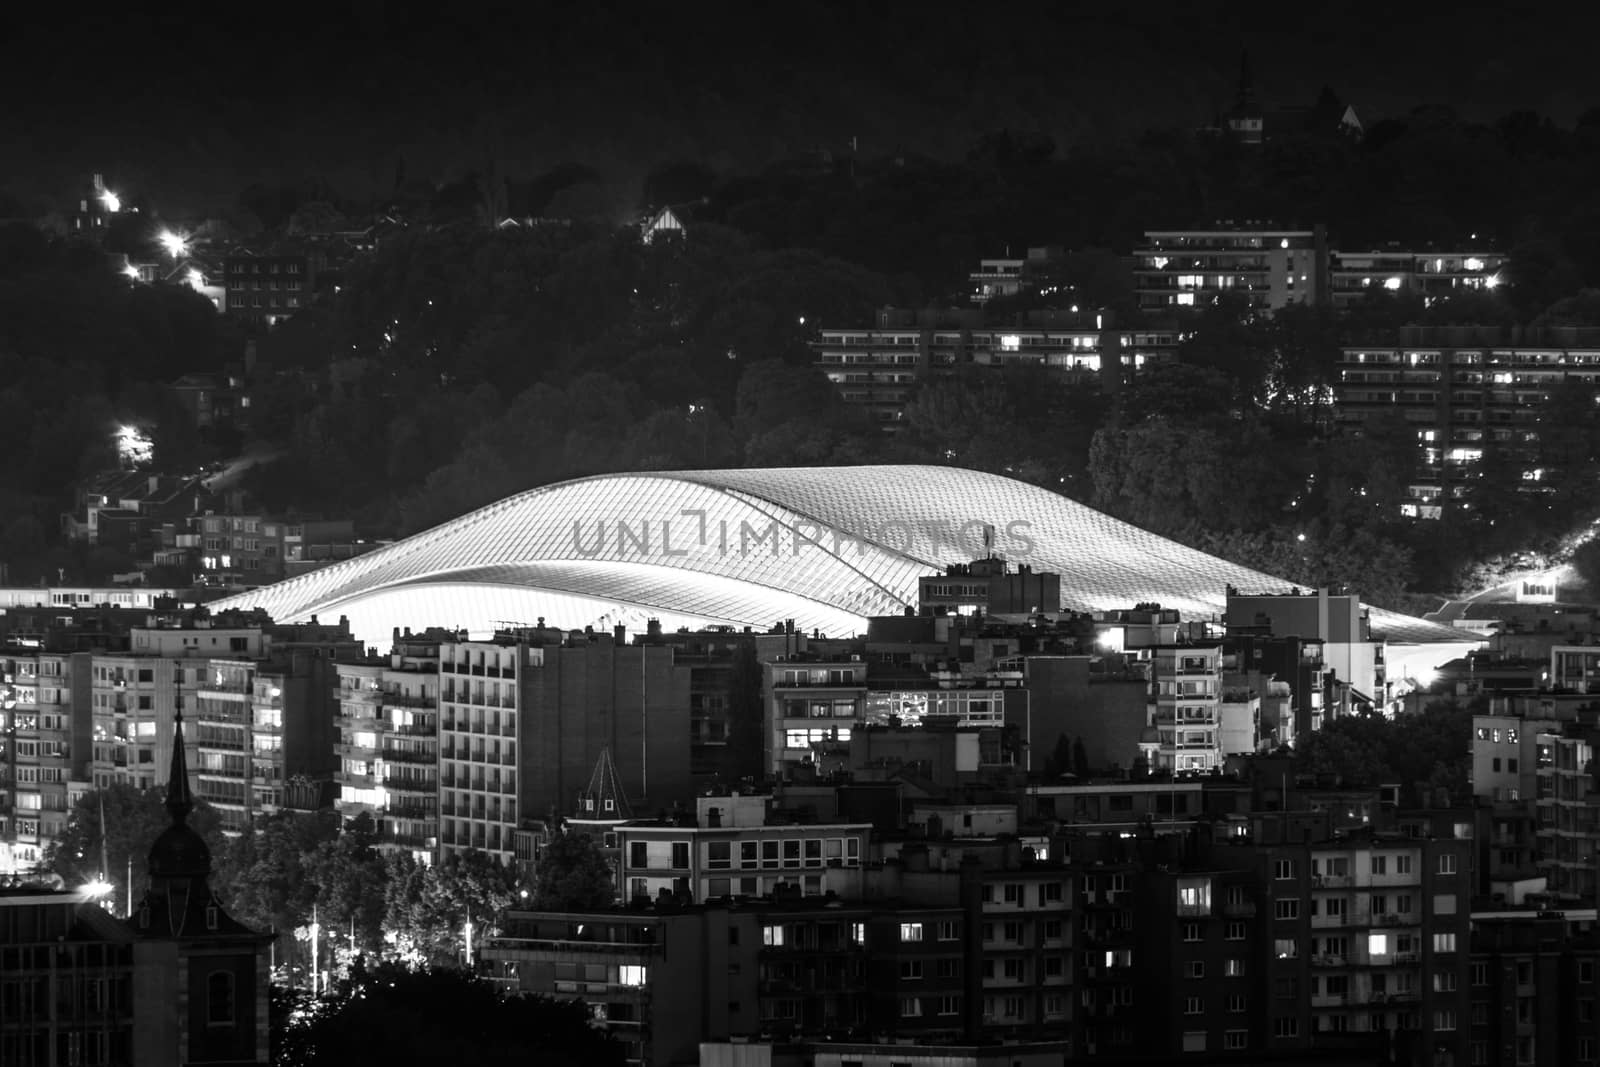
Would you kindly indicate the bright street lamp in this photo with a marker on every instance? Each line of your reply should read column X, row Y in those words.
column 100, row 891
column 175, row 244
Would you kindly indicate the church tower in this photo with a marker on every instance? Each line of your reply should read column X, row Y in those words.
column 1246, row 120
column 204, row 981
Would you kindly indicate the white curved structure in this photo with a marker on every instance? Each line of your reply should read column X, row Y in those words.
column 827, row 547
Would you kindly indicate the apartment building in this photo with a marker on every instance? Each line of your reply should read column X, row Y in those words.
column 1465, row 391
column 733, row 850
column 1197, row 948
column 814, row 703
column 1369, row 935
column 880, row 368
column 997, row 277
column 525, row 717
column 267, row 289
column 1532, row 988
column 1432, row 275
column 1184, row 731
column 1025, row 940
column 1575, row 668
column 45, row 726
column 1267, row 267
column 1311, row 639
column 658, row 982
column 1567, row 804
column 388, row 745
column 480, row 701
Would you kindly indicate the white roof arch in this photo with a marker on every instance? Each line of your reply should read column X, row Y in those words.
column 825, row 546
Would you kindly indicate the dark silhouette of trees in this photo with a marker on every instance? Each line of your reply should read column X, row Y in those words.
column 134, row 818
column 1430, row 749
column 573, row 875
column 393, row 1015
column 1586, row 561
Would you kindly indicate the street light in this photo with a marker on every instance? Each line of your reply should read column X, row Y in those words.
column 100, row 891
column 176, row 245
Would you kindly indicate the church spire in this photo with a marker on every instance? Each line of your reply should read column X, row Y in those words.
column 1245, row 95
column 180, row 801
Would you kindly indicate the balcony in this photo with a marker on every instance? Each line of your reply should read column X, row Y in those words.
column 1239, row 909
column 410, row 841
column 393, row 780
column 568, row 947
column 409, row 755
column 407, row 700
column 412, row 811
column 356, row 752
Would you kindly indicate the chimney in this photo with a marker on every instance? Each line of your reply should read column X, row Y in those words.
column 619, row 634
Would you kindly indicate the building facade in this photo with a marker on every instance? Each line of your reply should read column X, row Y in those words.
column 1266, row 267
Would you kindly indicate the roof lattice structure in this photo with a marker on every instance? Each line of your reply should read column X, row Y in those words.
column 825, row 546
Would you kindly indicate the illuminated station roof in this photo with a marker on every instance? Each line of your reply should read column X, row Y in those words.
column 827, row 547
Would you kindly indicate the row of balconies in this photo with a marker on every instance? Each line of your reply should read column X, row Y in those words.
column 463, row 726
column 477, row 785
column 409, row 841
column 505, row 759
column 403, row 755
column 477, row 669
column 405, row 810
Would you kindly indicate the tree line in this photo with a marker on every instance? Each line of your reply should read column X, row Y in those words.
column 294, row 868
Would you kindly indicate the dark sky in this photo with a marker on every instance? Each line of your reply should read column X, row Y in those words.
column 189, row 106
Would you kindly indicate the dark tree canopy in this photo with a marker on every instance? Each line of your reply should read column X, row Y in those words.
column 1421, row 752
column 134, row 818
column 393, row 1015
column 573, row 875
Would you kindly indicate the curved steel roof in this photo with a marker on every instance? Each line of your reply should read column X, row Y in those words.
column 825, row 546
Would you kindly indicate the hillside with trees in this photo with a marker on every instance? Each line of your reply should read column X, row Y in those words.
column 461, row 362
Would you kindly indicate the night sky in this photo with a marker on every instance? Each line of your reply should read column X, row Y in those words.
column 189, row 107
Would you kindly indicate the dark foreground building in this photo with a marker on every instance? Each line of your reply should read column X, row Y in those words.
column 177, row 983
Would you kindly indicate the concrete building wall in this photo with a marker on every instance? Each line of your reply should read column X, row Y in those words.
column 588, row 697
column 1107, row 712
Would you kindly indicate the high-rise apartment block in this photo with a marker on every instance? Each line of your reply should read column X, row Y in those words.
column 388, row 746
column 1466, row 392
column 1267, row 267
